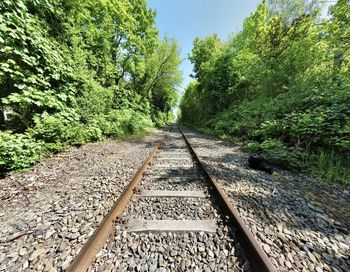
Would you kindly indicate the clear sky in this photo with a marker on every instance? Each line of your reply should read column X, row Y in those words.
column 187, row 19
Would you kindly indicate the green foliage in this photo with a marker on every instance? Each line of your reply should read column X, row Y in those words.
column 18, row 151
column 32, row 68
column 276, row 152
column 161, row 78
column 51, row 128
column 78, row 71
column 125, row 122
column 329, row 165
column 282, row 84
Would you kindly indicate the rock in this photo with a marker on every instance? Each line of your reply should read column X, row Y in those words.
column 290, row 257
column 286, row 231
column 161, row 249
column 319, row 269
column 23, row 251
column 280, row 227
column 66, row 263
column 62, row 247
column 153, row 267
column 288, row 264
column 131, row 264
column 311, row 267
column 328, row 257
column 343, row 246
column 85, row 228
column 281, row 260
column 201, row 247
column 25, row 265
column 74, row 235
column 210, row 253
column 49, row 233
column 36, row 254
column 312, row 257
column 266, row 248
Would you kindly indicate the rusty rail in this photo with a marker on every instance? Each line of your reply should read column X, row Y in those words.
column 95, row 243
column 258, row 259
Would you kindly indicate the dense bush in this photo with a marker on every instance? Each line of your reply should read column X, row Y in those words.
column 18, row 151
column 78, row 71
column 125, row 122
column 281, row 85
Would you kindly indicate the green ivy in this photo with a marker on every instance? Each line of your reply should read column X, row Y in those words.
column 72, row 72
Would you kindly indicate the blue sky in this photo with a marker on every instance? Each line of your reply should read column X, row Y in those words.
column 187, row 19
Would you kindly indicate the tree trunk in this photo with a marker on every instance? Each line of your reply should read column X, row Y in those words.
column 2, row 117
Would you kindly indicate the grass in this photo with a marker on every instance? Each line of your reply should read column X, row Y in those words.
column 330, row 166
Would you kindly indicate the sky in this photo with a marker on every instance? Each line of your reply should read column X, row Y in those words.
column 185, row 20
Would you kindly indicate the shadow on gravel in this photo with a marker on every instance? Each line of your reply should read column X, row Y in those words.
column 286, row 187
column 290, row 215
column 285, row 209
column 295, row 210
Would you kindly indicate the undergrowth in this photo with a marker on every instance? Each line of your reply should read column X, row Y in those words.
column 328, row 165
column 54, row 134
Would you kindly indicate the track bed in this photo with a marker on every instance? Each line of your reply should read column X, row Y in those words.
column 172, row 222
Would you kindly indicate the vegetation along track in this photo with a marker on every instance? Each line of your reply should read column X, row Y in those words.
column 172, row 216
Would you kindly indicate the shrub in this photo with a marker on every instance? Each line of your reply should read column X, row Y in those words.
column 124, row 122
column 274, row 151
column 49, row 128
column 79, row 134
column 138, row 122
column 18, row 151
column 62, row 129
column 116, row 119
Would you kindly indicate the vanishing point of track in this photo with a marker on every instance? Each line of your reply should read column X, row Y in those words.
column 174, row 162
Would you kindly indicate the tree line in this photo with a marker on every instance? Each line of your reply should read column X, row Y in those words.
column 281, row 86
column 77, row 71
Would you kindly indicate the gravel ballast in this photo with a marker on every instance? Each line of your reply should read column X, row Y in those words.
column 301, row 223
column 172, row 251
column 48, row 212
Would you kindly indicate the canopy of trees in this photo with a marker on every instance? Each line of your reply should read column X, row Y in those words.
column 74, row 71
column 281, row 85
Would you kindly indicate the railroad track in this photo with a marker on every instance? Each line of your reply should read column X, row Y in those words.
column 173, row 216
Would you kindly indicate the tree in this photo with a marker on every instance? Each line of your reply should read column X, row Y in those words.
column 32, row 68
column 203, row 52
column 339, row 33
column 281, row 85
column 291, row 10
column 162, row 76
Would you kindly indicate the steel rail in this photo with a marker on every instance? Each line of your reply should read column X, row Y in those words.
column 95, row 243
column 258, row 259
